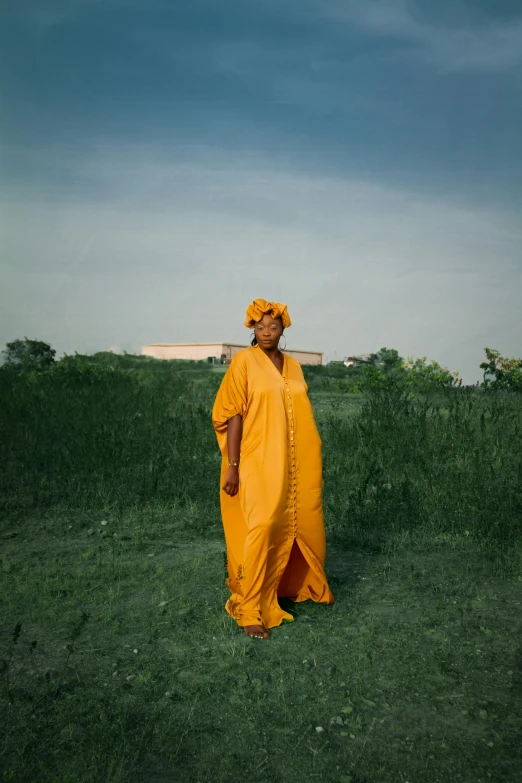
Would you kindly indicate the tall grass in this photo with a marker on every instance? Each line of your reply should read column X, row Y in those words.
column 105, row 440
column 450, row 462
column 113, row 438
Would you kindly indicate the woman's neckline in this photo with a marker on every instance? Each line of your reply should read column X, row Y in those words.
column 279, row 372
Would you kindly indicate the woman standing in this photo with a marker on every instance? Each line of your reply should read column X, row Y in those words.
column 271, row 478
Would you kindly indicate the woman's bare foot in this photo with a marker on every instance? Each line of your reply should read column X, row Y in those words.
column 258, row 631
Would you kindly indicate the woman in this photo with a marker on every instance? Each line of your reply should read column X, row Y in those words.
column 271, row 478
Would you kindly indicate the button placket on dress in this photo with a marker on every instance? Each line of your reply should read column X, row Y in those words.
column 292, row 456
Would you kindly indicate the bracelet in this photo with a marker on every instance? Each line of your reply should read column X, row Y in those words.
column 234, row 462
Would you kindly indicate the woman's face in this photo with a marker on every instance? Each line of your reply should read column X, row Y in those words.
column 268, row 331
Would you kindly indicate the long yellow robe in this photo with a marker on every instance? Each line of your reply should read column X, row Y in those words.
column 274, row 525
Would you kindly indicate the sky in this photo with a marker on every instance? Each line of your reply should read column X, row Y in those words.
column 163, row 163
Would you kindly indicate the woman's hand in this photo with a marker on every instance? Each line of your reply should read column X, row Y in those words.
column 231, row 484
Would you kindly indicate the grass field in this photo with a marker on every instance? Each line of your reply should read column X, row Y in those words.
column 113, row 563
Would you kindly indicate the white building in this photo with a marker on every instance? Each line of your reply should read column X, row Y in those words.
column 212, row 352
column 360, row 359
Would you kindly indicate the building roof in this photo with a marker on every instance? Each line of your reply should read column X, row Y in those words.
column 234, row 345
column 216, row 342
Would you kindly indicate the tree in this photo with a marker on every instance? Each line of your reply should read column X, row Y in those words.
column 386, row 359
column 507, row 373
column 424, row 376
column 29, row 355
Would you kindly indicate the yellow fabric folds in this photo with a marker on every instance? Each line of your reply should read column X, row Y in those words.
column 259, row 307
column 274, row 526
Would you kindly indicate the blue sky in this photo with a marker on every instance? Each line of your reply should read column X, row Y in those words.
column 164, row 163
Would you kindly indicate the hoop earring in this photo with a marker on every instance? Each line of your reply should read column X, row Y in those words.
column 282, row 349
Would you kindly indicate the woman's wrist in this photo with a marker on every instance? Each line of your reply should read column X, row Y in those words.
column 233, row 463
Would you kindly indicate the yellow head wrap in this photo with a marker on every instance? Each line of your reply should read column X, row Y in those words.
column 259, row 307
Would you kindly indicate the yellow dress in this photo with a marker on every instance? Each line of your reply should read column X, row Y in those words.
column 274, row 525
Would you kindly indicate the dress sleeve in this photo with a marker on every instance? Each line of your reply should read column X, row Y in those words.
column 302, row 377
column 232, row 395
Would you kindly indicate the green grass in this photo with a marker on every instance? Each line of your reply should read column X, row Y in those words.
column 414, row 673
column 114, row 565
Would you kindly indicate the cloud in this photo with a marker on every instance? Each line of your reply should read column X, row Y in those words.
column 461, row 40
column 142, row 206
column 166, row 251
column 48, row 14
column 489, row 46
